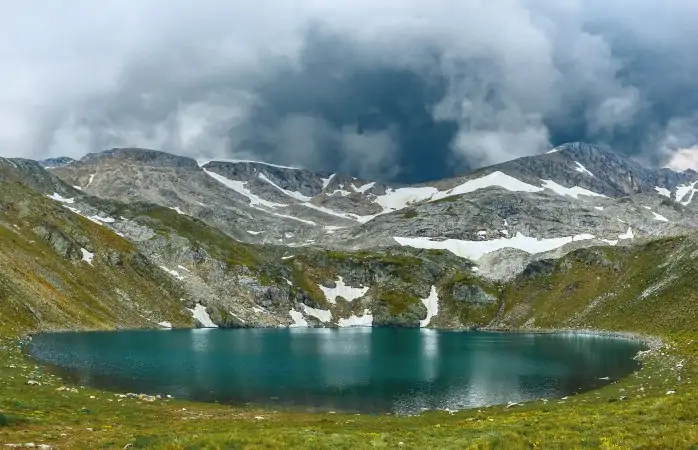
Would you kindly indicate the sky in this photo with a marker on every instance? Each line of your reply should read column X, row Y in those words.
column 394, row 90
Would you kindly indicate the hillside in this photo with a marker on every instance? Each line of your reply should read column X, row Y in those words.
column 98, row 245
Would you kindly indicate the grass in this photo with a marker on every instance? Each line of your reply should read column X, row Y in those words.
column 397, row 301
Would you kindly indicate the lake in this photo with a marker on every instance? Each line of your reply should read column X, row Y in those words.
column 356, row 369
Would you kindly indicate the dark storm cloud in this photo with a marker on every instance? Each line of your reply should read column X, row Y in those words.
column 406, row 90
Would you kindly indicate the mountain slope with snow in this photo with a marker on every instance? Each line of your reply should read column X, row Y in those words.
column 575, row 190
column 257, row 244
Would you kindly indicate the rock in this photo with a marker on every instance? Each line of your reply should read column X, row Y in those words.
column 472, row 294
column 33, row 383
column 59, row 242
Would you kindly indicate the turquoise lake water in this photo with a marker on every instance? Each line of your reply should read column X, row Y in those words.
column 360, row 369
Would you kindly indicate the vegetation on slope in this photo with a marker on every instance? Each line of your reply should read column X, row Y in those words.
column 45, row 284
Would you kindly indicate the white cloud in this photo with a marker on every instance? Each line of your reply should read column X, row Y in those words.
column 683, row 159
column 185, row 76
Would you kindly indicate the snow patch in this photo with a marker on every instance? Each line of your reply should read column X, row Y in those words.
column 555, row 150
column 77, row 187
column 165, row 324
column 663, row 191
column 201, row 315
column 183, row 268
column 364, row 188
column 323, row 315
column 92, row 178
column 239, row 187
column 627, row 235
column 659, row 217
column 337, row 213
column 610, row 241
column 254, row 233
column 342, row 290
column 494, row 179
column 236, row 316
column 100, row 219
column 598, row 208
column 432, row 305
column 330, row 229
column 357, row 321
column 309, row 222
column 474, row 250
column 581, row 169
column 400, row 198
column 572, row 192
column 340, row 191
column 203, row 162
column 59, row 198
column 685, row 192
column 292, row 194
column 326, row 181
column 298, row 319
column 394, row 200
column 87, row 256
column 174, row 273
column 178, row 210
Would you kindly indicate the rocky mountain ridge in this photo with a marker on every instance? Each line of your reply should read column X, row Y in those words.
column 253, row 244
column 575, row 195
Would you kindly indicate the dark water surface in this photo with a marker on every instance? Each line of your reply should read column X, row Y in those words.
column 359, row 369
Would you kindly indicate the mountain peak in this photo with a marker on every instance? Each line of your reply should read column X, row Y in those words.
column 60, row 161
column 154, row 158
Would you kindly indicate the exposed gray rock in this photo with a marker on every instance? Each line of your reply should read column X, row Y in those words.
column 472, row 294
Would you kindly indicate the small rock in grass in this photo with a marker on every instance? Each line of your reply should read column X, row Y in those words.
column 670, row 392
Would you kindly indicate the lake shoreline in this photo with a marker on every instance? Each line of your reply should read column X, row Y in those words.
column 327, row 334
column 653, row 342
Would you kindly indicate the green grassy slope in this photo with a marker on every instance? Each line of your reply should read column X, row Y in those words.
column 45, row 284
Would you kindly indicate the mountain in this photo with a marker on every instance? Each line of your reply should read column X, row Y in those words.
column 244, row 243
column 56, row 162
column 536, row 204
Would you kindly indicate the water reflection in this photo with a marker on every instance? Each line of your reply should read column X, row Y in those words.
column 359, row 369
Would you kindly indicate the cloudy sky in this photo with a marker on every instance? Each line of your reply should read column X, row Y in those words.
column 405, row 90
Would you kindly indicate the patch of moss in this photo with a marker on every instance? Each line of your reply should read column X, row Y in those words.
column 449, row 199
column 397, row 301
column 410, row 214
